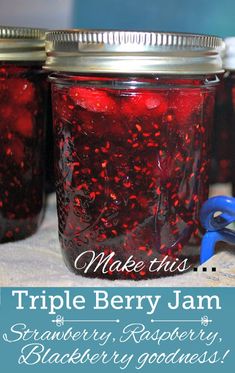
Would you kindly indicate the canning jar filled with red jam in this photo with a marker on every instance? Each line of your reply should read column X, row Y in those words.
column 232, row 141
column 229, row 112
column 132, row 126
column 223, row 150
column 22, row 108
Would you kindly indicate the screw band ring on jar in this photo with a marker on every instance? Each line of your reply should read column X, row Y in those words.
column 22, row 44
column 88, row 51
column 229, row 54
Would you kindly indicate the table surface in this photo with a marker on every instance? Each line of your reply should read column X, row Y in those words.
column 37, row 261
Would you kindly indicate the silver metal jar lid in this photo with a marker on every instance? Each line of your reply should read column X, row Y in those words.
column 22, row 44
column 99, row 51
column 229, row 54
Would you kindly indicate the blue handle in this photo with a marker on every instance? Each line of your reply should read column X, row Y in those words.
column 216, row 225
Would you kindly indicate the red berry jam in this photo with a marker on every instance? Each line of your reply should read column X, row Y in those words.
column 222, row 145
column 131, row 161
column 22, row 106
column 49, row 149
column 232, row 141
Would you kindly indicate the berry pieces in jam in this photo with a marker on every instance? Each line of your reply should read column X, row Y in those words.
column 22, row 106
column 131, row 169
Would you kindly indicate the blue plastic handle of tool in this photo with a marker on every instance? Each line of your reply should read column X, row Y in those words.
column 216, row 225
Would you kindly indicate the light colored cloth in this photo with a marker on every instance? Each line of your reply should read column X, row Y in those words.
column 37, row 261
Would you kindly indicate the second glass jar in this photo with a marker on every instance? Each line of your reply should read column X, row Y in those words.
column 23, row 100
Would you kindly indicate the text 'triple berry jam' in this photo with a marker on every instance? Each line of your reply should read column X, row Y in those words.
column 132, row 123
column 22, row 107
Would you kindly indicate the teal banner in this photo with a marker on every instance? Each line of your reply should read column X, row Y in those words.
column 117, row 329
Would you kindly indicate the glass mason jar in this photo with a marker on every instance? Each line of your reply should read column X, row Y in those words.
column 232, row 141
column 223, row 152
column 132, row 122
column 23, row 96
column 222, row 146
column 229, row 99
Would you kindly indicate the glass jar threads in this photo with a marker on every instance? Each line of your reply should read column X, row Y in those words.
column 22, row 108
column 132, row 122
